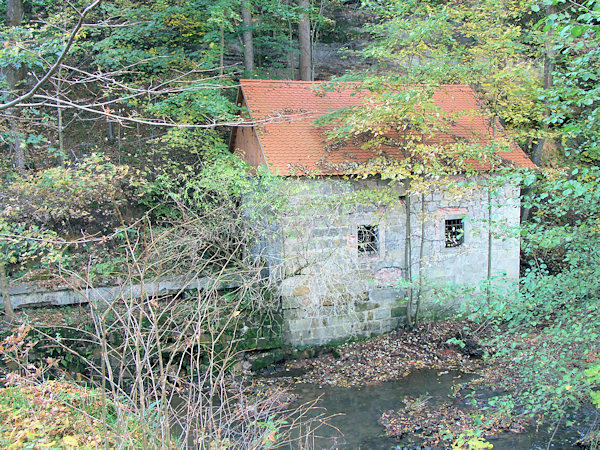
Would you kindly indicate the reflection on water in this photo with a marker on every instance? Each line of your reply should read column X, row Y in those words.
column 360, row 408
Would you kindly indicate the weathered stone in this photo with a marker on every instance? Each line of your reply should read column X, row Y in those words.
column 295, row 302
column 321, row 241
column 300, row 324
column 293, row 313
column 338, row 288
column 328, row 301
column 398, row 311
column 266, row 359
column 385, row 296
column 396, row 322
column 23, row 295
column 366, row 306
column 382, row 313
column 301, row 291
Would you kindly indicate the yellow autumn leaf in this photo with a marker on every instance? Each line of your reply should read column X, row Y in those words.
column 71, row 441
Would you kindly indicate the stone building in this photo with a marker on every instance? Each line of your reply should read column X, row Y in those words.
column 339, row 259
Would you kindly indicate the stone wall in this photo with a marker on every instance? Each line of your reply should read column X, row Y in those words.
column 29, row 294
column 331, row 290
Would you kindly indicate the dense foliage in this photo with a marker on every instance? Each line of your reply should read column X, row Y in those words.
column 574, row 97
column 130, row 134
column 546, row 336
column 534, row 65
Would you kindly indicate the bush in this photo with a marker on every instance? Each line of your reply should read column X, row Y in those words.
column 58, row 414
column 83, row 196
column 547, row 333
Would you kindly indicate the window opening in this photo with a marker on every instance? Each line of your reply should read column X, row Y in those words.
column 454, row 232
column 368, row 239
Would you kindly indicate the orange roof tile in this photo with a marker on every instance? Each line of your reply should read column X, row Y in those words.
column 293, row 144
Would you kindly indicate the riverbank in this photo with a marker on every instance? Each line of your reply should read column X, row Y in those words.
column 406, row 366
column 433, row 345
column 482, row 402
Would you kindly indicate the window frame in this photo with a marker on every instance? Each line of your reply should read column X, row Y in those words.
column 372, row 231
column 453, row 222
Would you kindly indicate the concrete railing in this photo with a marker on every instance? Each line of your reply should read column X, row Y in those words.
column 24, row 295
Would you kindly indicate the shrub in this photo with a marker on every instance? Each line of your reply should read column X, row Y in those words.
column 57, row 414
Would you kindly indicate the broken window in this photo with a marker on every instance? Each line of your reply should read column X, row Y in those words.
column 368, row 239
column 454, row 232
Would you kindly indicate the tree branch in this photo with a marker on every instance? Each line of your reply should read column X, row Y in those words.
column 97, row 108
column 58, row 62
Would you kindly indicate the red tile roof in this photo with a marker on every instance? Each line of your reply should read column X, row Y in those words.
column 293, row 144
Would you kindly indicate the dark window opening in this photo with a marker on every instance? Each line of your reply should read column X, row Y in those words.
column 368, row 239
column 454, row 232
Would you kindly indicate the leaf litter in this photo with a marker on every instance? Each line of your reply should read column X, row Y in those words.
column 389, row 357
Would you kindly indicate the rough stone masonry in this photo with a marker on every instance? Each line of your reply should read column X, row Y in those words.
column 340, row 248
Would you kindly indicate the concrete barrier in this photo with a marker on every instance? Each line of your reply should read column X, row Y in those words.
column 27, row 295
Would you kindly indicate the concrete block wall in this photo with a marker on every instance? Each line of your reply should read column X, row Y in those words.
column 331, row 291
column 381, row 310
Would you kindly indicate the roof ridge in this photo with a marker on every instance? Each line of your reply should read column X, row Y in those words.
column 280, row 81
column 265, row 80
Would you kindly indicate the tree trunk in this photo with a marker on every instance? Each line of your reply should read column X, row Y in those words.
column 14, row 78
column 14, row 12
column 304, row 41
column 536, row 158
column 111, row 131
column 247, row 35
column 16, row 144
column 291, row 53
column 549, row 54
column 8, row 309
column 408, row 255
column 490, row 244
column 421, row 256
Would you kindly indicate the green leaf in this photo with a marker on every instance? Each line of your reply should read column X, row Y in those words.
column 577, row 31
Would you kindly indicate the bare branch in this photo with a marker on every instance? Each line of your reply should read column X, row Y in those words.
column 58, row 62
column 275, row 117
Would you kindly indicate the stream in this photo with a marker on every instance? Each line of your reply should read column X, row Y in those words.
column 356, row 412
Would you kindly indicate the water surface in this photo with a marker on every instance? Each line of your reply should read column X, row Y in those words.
column 357, row 410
